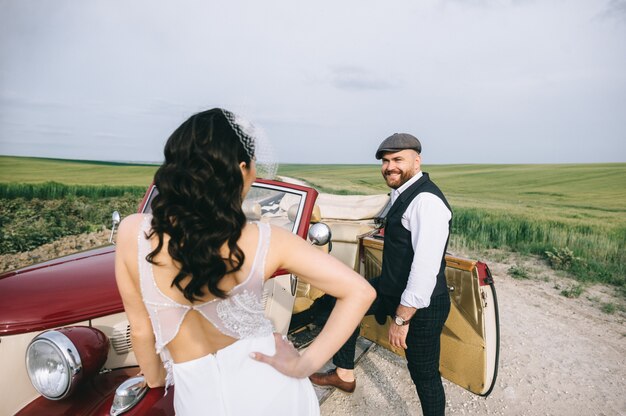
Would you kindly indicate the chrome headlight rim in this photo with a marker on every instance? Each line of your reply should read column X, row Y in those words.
column 69, row 355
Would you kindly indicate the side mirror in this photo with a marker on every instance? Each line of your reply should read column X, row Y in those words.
column 319, row 234
column 115, row 219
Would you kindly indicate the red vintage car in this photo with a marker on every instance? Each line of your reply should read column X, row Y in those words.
column 65, row 341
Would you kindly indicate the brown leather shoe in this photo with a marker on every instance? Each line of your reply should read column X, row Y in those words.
column 331, row 378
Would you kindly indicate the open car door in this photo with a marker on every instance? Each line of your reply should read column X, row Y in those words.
column 470, row 340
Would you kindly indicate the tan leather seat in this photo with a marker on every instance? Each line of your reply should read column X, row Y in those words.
column 252, row 210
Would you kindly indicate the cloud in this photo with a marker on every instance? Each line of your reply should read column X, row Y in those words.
column 452, row 70
column 358, row 79
column 489, row 3
column 9, row 100
column 616, row 9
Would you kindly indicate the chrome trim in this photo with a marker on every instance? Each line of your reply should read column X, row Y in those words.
column 68, row 352
column 115, row 220
column 120, row 338
column 128, row 394
column 320, row 234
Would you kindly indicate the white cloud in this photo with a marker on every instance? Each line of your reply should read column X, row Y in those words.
column 327, row 80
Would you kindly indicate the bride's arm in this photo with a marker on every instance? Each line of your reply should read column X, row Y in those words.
column 127, row 277
column 354, row 296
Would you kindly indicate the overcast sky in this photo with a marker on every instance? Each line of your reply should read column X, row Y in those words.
column 478, row 81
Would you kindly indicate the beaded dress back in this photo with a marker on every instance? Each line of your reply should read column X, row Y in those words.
column 240, row 315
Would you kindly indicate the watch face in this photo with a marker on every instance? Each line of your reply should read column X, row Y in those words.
column 399, row 321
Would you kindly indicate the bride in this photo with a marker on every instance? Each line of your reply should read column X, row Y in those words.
column 191, row 278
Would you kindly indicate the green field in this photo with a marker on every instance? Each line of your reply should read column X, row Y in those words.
column 575, row 211
column 73, row 172
column 584, row 193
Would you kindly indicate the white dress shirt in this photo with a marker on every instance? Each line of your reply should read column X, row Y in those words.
column 427, row 219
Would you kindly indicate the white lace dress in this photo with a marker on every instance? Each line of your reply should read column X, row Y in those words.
column 228, row 382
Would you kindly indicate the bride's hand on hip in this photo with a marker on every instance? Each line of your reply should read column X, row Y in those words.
column 286, row 360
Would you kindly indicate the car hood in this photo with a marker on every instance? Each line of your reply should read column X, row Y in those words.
column 59, row 292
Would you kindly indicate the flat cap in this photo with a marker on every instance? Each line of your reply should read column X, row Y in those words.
column 397, row 142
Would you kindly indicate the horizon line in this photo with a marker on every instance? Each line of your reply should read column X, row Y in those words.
column 157, row 163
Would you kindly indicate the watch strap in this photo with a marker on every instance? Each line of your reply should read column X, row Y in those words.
column 399, row 318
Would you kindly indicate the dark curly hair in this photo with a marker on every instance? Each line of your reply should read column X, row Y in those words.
column 199, row 201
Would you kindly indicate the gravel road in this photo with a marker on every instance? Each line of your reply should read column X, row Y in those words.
column 558, row 356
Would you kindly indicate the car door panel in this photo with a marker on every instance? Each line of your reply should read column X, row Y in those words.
column 470, row 338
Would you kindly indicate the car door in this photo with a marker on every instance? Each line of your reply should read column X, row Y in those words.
column 470, row 339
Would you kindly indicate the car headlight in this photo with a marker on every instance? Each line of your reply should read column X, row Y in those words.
column 57, row 360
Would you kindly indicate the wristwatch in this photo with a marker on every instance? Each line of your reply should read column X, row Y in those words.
column 400, row 321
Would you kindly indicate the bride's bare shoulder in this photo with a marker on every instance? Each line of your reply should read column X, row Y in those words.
column 129, row 227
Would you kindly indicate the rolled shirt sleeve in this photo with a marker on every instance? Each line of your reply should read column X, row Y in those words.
column 427, row 219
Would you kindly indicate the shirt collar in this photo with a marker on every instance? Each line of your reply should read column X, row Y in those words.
column 395, row 193
column 409, row 182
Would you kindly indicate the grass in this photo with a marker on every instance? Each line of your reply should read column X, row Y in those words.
column 518, row 272
column 573, row 193
column 42, row 200
column 55, row 190
column 573, row 291
column 608, row 308
column 573, row 215
column 28, row 223
column 574, row 212
column 28, row 170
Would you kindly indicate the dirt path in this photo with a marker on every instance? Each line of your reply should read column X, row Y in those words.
column 558, row 356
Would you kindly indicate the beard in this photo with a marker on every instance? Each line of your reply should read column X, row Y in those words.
column 396, row 178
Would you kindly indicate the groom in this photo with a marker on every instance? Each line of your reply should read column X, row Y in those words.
column 412, row 286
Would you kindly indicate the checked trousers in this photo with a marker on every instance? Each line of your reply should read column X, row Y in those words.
column 422, row 354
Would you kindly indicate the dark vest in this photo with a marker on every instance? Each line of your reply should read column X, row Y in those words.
column 398, row 250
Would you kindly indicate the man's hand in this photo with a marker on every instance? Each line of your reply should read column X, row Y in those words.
column 397, row 335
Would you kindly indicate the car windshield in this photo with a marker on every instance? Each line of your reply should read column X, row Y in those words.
column 272, row 204
column 275, row 206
